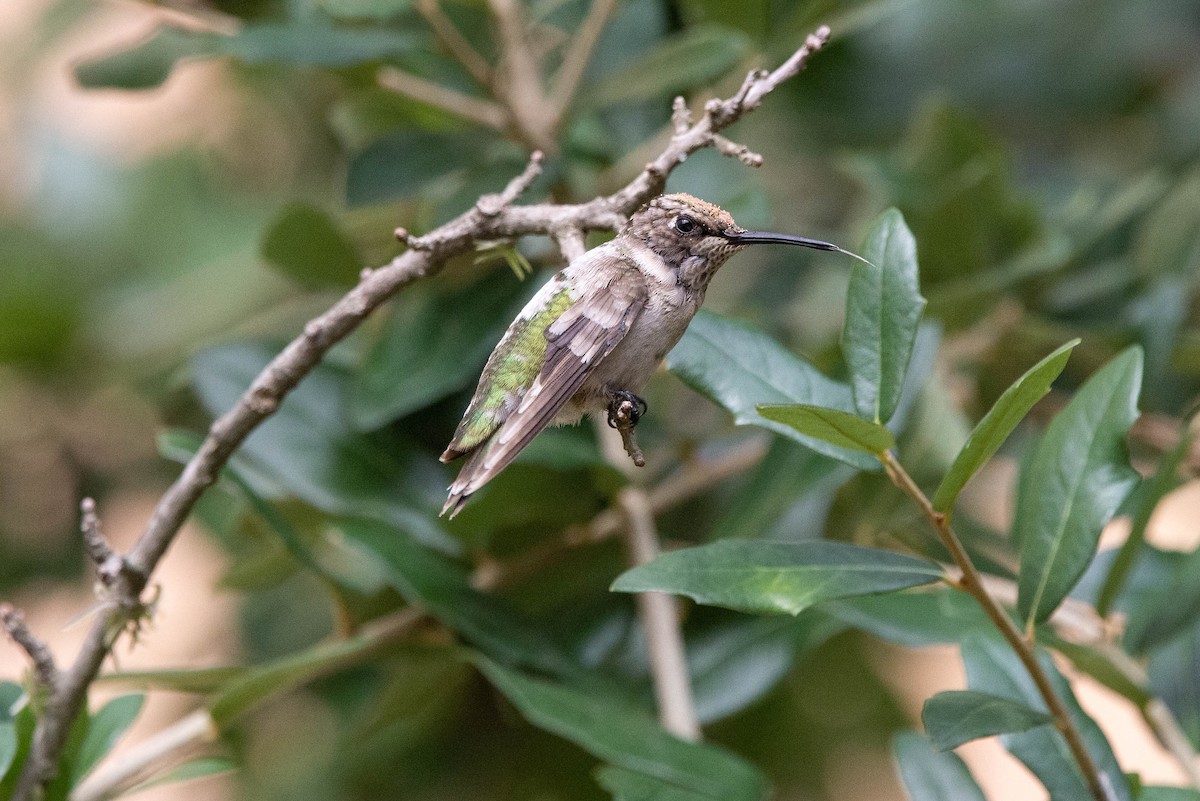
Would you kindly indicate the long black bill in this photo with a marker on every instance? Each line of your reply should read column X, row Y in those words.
column 767, row 238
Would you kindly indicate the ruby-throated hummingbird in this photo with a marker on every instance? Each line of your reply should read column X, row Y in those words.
column 596, row 332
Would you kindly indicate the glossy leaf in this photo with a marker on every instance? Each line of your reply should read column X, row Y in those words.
column 739, row 366
column 959, row 716
column 1155, row 793
column 433, row 343
column 695, row 57
column 306, row 244
column 992, row 667
column 629, row 739
column 1009, row 410
column 103, row 730
column 758, row 576
column 1079, row 475
column 311, row 41
column 932, row 775
column 842, row 429
column 883, row 310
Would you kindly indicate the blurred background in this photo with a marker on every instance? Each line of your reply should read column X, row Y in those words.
column 183, row 184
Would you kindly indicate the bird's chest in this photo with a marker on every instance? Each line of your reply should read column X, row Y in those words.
column 656, row 330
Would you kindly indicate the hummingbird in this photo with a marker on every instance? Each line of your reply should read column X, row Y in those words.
column 594, row 334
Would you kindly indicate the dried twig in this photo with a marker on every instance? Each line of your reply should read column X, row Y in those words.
column 43, row 661
column 577, row 56
column 296, row 360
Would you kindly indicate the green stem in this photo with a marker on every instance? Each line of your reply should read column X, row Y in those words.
column 972, row 583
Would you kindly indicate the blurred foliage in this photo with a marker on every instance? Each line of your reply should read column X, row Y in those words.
column 1044, row 158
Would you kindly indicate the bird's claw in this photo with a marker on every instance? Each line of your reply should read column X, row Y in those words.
column 625, row 408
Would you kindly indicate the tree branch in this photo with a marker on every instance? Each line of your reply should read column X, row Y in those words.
column 659, row 613
column 972, row 583
column 121, row 603
column 39, row 654
column 455, row 42
column 577, row 56
column 475, row 109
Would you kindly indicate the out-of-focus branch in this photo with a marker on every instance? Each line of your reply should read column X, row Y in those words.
column 455, row 42
column 475, row 109
column 489, row 219
column 520, row 82
column 576, row 58
column 659, row 613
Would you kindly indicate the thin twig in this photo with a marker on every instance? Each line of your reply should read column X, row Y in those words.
column 192, row 730
column 44, row 668
column 578, row 54
column 972, row 583
column 286, row 370
column 455, row 42
column 659, row 613
column 521, row 82
column 475, row 109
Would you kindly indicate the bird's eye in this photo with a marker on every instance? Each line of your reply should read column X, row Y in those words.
column 684, row 224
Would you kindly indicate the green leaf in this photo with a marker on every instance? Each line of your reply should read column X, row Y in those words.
column 629, row 739
column 1169, row 241
column 1172, row 669
column 309, row 41
column 629, row 785
column 16, row 733
column 913, row 619
column 1165, row 614
column 698, row 56
column 960, row 716
column 1168, row 794
column 442, row 588
column 307, row 245
column 883, row 309
column 999, row 422
column 308, row 448
column 739, row 366
column 931, row 775
column 104, row 729
column 199, row 768
column 406, row 163
column 739, row 662
column 758, row 576
column 365, row 9
column 194, row 680
column 1079, row 475
column 842, row 429
column 143, row 66
column 433, row 343
column 992, row 667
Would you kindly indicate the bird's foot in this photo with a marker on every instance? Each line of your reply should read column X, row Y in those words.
column 625, row 409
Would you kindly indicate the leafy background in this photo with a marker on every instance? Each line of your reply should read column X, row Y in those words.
column 166, row 226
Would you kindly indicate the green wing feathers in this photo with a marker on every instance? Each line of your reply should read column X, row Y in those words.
column 510, row 372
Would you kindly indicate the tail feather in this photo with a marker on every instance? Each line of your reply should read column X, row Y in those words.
column 474, row 474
